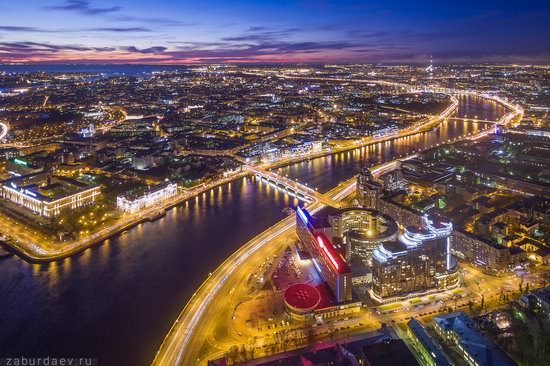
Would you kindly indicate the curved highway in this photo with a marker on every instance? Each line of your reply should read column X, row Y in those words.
column 183, row 343
column 3, row 130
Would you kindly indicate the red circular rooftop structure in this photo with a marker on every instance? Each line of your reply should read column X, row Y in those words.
column 302, row 298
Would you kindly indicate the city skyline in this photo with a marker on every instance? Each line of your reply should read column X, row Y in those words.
column 266, row 183
column 280, row 206
column 171, row 32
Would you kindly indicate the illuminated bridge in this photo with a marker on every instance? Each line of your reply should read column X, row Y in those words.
column 294, row 189
column 471, row 120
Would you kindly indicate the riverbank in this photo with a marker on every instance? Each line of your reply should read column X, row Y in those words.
column 423, row 127
column 47, row 252
column 161, row 264
column 182, row 342
column 34, row 253
column 4, row 253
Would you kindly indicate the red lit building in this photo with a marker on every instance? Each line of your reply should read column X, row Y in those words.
column 328, row 262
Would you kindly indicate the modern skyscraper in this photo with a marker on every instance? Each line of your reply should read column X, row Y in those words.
column 419, row 260
column 359, row 231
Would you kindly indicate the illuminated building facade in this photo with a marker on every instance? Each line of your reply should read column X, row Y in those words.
column 420, row 260
column 484, row 253
column 133, row 203
column 368, row 190
column 328, row 262
column 360, row 230
column 18, row 167
column 393, row 181
column 49, row 196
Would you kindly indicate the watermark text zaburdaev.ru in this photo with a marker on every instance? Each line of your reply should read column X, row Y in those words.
column 48, row 361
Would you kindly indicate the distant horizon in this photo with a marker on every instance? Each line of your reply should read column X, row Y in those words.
column 281, row 63
column 282, row 31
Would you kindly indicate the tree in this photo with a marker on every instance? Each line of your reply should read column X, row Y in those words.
column 233, row 354
column 331, row 330
column 284, row 336
column 310, row 335
column 252, row 346
column 243, row 353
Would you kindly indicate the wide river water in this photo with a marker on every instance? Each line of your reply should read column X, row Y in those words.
column 116, row 301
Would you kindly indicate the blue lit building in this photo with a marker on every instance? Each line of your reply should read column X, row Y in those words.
column 418, row 261
column 327, row 260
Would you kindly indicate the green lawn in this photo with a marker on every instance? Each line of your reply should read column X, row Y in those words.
column 393, row 306
column 457, row 291
column 432, row 297
column 402, row 326
column 428, row 318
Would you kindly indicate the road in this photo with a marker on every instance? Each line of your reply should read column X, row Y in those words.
column 200, row 319
column 45, row 249
column 197, row 320
column 3, row 130
column 41, row 248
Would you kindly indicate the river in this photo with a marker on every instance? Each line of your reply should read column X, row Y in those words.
column 116, row 301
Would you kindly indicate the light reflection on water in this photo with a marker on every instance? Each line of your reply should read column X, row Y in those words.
column 117, row 300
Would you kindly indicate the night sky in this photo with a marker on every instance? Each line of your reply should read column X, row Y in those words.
column 326, row 31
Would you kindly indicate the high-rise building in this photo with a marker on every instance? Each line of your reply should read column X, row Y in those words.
column 328, row 262
column 368, row 190
column 359, row 230
column 419, row 260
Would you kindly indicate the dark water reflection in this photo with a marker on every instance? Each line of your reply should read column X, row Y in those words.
column 116, row 301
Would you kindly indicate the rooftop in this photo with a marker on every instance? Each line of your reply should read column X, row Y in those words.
column 472, row 341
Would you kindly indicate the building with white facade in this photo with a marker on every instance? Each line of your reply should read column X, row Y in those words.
column 47, row 195
column 132, row 203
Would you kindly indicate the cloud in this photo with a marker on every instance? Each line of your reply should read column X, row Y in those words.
column 120, row 29
column 8, row 28
column 83, row 7
column 258, row 46
column 20, row 29
column 154, row 20
column 261, row 34
column 30, row 47
column 153, row 50
column 256, row 29
column 360, row 33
